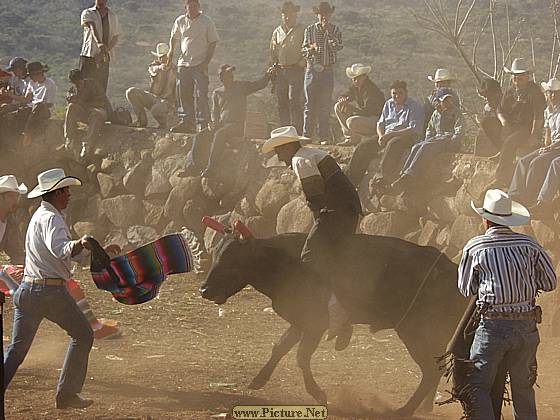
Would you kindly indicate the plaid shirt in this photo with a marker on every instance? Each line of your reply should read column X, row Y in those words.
column 327, row 44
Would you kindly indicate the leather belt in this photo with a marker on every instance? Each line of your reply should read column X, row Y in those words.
column 517, row 316
column 45, row 282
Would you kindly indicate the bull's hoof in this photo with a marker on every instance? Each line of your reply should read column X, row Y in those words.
column 258, row 383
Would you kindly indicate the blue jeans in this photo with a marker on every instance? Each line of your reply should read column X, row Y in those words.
column 318, row 88
column 551, row 183
column 192, row 85
column 289, row 91
column 423, row 155
column 32, row 304
column 514, row 342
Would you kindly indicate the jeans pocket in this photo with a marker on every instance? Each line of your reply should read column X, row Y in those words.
column 17, row 296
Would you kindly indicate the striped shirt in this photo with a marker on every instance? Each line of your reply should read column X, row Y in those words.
column 327, row 44
column 506, row 269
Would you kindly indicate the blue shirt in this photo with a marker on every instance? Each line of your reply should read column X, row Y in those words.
column 411, row 115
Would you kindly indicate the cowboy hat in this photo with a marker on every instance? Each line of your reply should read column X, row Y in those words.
column 289, row 7
column 357, row 69
column 324, row 8
column 519, row 66
column 17, row 63
column 52, row 180
column 8, row 183
column 280, row 137
column 36, row 67
column 552, row 85
column 224, row 68
column 499, row 208
column 441, row 75
column 161, row 49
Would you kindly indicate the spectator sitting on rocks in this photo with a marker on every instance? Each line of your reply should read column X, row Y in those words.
column 544, row 208
column 87, row 103
column 521, row 113
column 399, row 127
column 490, row 126
column 442, row 80
column 12, row 93
column 359, row 108
column 160, row 98
column 228, row 121
column 531, row 169
column 445, row 130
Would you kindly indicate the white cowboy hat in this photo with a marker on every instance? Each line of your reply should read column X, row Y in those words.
column 442, row 75
column 552, row 85
column 8, row 183
column 280, row 137
column 161, row 49
column 519, row 66
column 499, row 208
column 51, row 180
column 357, row 69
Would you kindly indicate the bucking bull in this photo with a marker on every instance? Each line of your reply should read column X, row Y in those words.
column 383, row 282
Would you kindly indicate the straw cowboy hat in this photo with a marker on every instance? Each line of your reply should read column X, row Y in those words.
column 8, row 183
column 161, row 49
column 499, row 208
column 357, row 69
column 280, row 137
column 553, row 85
column 289, row 7
column 52, row 180
column 324, row 8
column 441, row 75
column 519, row 66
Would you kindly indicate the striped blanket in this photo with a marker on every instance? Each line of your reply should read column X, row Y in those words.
column 136, row 277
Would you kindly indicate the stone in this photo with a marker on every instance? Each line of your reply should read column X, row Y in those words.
column 442, row 238
column 153, row 211
column 211, row 237
column 173, row 209
column 109, row 165
column 135, row 179
column 164, row 147
column 246, row 208
column 464, row 229
column 294, row 217
column 443, row 209
column 116, row 237
column 94, row 208
column 84, row 228
column 390, row 223
column 123, row 210
column 462, row 202
column 413, row 236
column 393, row 202
column 261, row 226
column 484, row 175
column 428, row 234
column 108, row 184
column 158, row 186
column 193, row 212
column 170, row 165
column 544, row 233
column 271, row 198
column 190, row 185
column 141, row 235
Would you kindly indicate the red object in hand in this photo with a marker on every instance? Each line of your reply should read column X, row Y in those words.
column 214, row 224
column 243, row 230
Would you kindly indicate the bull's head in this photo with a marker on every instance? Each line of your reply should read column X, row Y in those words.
column 231, row 263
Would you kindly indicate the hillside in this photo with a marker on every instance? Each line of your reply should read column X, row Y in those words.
column 379, row 32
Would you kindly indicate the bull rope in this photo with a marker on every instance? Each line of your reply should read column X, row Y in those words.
column 418, row 291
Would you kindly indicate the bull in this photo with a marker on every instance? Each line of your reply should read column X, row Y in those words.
column 383, row 282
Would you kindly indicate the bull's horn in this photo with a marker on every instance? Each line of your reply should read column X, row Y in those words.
column 214, row 224
column 243, row 230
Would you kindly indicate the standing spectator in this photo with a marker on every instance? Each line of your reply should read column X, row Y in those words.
column 286, row 55
column 522, row 115
column 198, row 38
column 101, row 35
column 490, row 126
column 506, row 270
column 322, row 41
column 359, row 108
column 160, row 98
column 87, row 103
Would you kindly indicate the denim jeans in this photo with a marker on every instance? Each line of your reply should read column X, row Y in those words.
column 318, row 89
column 515, row 343
column 289, row 91
column 423, row 155
column 192, row 85
column 551, row 183
column 32, row 304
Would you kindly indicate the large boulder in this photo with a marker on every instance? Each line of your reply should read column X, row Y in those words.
column 84, row 228
column 261, row 226
column 271, row 198
column 464, row 229
column 136, row 178
column 116, row 237
column 170, row 165
column 123, row 210
column 545, row 233
column 294, row 217
column 153, row 212
column 390, row 223
column 108, row 184
column 190, row 185
column 159, row 185
column 141, row 235
column 173, row 209
column 193, row 212
column 428, row 234
column 443, row 209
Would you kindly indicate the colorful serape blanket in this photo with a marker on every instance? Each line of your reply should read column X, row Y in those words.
column 136, row 277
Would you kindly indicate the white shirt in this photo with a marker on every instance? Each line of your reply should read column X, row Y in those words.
column 91, row 15
column 305, row 162
column 42, row 92
column 2, row 230
column 552, row 121
column 48, row 245
column 195, row 36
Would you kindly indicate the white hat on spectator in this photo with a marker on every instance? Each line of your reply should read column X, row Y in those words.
column 51, row 180
column 8, row 183
column 519, row 66
column 552, row 85
column 441, row 75
column 280, row 137
column 161, row 49
column 357, row 69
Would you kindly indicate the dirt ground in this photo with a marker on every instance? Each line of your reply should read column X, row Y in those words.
column 180, row 357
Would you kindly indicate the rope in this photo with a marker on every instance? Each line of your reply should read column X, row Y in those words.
column 420, row 289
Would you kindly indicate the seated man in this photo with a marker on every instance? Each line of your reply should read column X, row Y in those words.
column 228, row 121
column 398, row 128
column 445, row 130
column 160, row 98
column 87, row 103
column 490, row 126
column 12, row 93
column 551, row 185
column 442, row 80
column 531, row 169
column 359, row 108
column 521, row 113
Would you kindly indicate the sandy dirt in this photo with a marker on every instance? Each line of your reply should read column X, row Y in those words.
column 179, row 359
